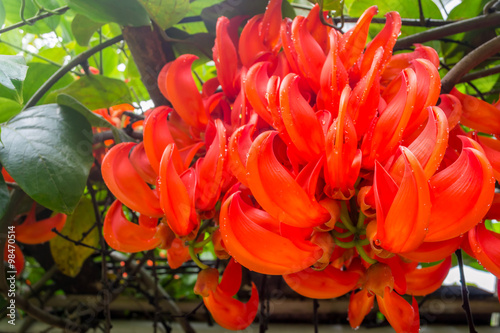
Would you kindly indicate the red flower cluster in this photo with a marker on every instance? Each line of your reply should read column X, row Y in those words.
column 333, row 163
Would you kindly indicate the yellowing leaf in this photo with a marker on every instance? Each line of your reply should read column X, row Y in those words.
column 68, row 256
column 166, row 13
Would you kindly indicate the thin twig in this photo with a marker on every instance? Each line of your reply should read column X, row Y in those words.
column 479, row 22
column 480, row 74
column 468, row 62
column 104, row 271
column 32, row 20
column 66, row 68
column 79, row 243
column 315, row 315
column 465, row 292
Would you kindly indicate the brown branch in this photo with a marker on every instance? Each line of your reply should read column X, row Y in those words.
column 45, row 317
column 467, row 63
column 58, row 11
column 480, row 74
column 149, row 283
column 482, row 21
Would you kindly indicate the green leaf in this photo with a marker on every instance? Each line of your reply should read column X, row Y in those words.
column 8, row 109
column 334, row 5
column 231, row 8
column 124, row 12
column 37, row 74
column 68, row 256
column 83, row 28
column 166, row 13
column 13, row 15
column 47, row 149
column 2, row 13
column 4, row 196
column 408, row 9
column 12, row 68
column 95, row 92
column 94, row 119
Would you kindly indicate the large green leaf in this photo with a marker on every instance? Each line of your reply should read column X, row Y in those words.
column 231, row 8
column 124, row 12
column 83, row 28
column 2, row 13
column 408, row 9
column 4, row 196
column 37, row 74
column 95, row 92
column 166, row 13
column 94, row 119
column 12, row 71
column 68, row 256
column 13, row 15
column 8, row 109
column 334, row 5
column 47, row 149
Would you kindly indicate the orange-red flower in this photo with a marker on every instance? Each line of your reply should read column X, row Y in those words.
column 226, row 310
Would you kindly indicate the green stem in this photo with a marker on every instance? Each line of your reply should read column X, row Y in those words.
column 361, row 220
column 363, row 255
column 342, row 234
column 203, row 242
column 345, row 245
column 195, row 258
column 344, row 217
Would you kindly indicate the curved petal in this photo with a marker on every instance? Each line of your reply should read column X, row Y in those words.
column 251, row 48
column 386, row 39
column 255, row 85
column 387, row 133
column 177, row 254
column 343, row 159
column 491, row 147
column 434, row 251
column 402, row 316
column 123, row 235
column 210, row 170
column 270, row 27
column 183, row 93
column 402, row 227
column 333, row 78
column 310, row 55
column 157, row 135
column 276, row 190
column 429, row 147
column 428, row 90
column 360, row 304
column 424, row 281
column 126, row 184
column 478, row 114
column 402, row 60
column 353, row 41
column 494, row 211
column 231, row 313
column 328, row 283
column 485, row 245
column 37, row 232
column 175, row 199
column 364, row 99
column 249, row 241
column 452, row 108
column 300, row 119
column 141, row 164
column 226, row 58
column 468, row 181
column 238, row 147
